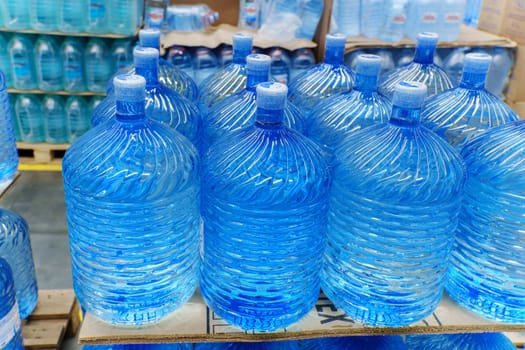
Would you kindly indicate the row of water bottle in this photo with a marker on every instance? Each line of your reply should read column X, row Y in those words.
column 391, row 20
column 91, row 16
column 53, row 63
column 159, row 14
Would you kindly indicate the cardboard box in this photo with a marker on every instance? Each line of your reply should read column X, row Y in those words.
column 492, row 16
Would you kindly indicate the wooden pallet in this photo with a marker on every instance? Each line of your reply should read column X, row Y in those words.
column 57, row 315
column 41, row 153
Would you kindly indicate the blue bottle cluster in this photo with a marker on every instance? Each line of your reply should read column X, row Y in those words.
column 8, row 151
column 386, row 342
column 273, row 345
column 467, row 341
column 11, row 330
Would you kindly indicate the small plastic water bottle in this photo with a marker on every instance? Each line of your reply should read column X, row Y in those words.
column 122, row 55
column 280, row 67
column 463, row 341
column 155, row 15
column 461, row 113
column 225, row 55
column 72, row 53
column 301, row 60
column 392, row 182
column 395, row 20
column 453, row 63
column 28, row 112
column 384, row 342
column 346, row 17
column 451, row 19
column 180, row 57
column 48, row 64
column 98, row 65
column 8, row 151
column 123, row 16
column 422, row 16
column 77, row 117
column 72, row 16
column 239, row 205
column 16, row 14
column 11, row 331
column 310, row 12
column 97, row 16
column 372, row 17
column 15, row 248
column 149, row 263
column 499, row 72
column 54, row 116
column 20, row 51
column 204, row 64
column 5, row 63
column 249, row 14
column 273, row 345
column 421, row 69
column 44, row 15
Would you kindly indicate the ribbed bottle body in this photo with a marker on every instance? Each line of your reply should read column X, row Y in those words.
column 11, row 330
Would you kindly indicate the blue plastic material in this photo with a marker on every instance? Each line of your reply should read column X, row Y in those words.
column 264, row 205
column 54, row 115
column 48, row 64
column 97, row 16
column 72, row 53
column 132, row 203
column 422, row 69
column 20, row 50
column 301, row 60
column 205, row 64
column 16, row 14
column 346, row 17
column 281, row 65
column 5, row 64
column 230, row 79
column 124, row 15
column 11, row 330
column 77, row 117
column 345, row 113
column 44, row 15
column 72, row 16
column 324, row 79
column 499, row 72
column 273, row 345
column 122, row 55
column 395, row 20
column 239, row 110
column 387, row 342
column 453, row 64
column 394, row 207
column 486, row 272
column 373, row 17
column 29, row 118
column 311, row 11
column 459, row 114
column 168, row 346
column 15, row 248
column 467, row 341
column 422, row 16
column 98, row 65
column 8, row 151
column 162, row 103
column 180, row 57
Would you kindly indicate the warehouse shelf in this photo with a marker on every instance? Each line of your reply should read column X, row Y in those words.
column 56, row 92
column 80, row 34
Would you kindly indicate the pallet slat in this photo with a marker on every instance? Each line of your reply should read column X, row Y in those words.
column 41, row 153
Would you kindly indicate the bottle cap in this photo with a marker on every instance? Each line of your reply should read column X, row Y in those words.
column 242, row 42
column 335, row 42
column 477, row 63
column 271, row 95
column 149, row 38
column 258, row 63
column 427, row 39
column 129, row 88
column 368, row 65
column 409, row 94
column 145, row 57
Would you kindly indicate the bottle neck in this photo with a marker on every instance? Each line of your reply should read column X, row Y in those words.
column 334, row 57
column 130, row 112
column 151, row 74
column 424, row 55
column 255, row 78
column 269, row 119
column 473, row 81
column 365, row 83
column 407, row 117
column 239, row 56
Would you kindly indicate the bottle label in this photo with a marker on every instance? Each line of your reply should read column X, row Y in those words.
column 97, row 10
column 21, row 68
column 9, row 326
column 399, row 19
column 453, row 17
column 73, row 72
column 429, row 17
column 154, row 17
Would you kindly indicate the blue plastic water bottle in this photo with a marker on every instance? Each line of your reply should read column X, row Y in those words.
column 453, row 64
column 372, row 17
column 264, row 186
column 324, row 79
column 5, row 63
column 98, row 65
column 273, row 345
column 16, row 14
column 461, row 113
column 239, row 110
column 345, row 113
column 180, row 57
column 204, row 64
column 450, row 19
column 44, row 15
column 346, row 17
column 230, row 79
column 465, row 341
column 15, row 248
column 97, row 16
column 486, row 272
column 20, row 51
column 280, row 66
column 132, row 203
column 395, row 20
column 162, row 104
column 499, row 72
column 422, row 69
column 28, row 113
column 310, row 13
column 72, row 16
column 72, row 53
column 48, row 64
column 422, row 16
column 122, row 55
column 11, row 331
column 8, row 152
column 385, row 342
column 123, row 16
column 301, row 60
column 394, row 207
column 77, row 117
column 54, row 116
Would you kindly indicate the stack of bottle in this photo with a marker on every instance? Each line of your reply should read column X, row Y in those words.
column 91, row 16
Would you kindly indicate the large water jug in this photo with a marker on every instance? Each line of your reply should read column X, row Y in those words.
column 324, row 79
column 386, row 342
column 98, row 65
column 20, row 50
column 273, row 345
column 54, row 115
column 280, row 66
column 11, row 331
column 131, row 268
column 345, row 113
column 8, row 152
column 395, row 20
column 239, row 110
column 346, row 17
column 422, row 16
column 97, row 16
column 72, row 16
column 123, row 16
column 78, row 120
column 499, row 72
column 421, row 69
column 28, row 112
column 394, row 207
column 48, row 64
column 204, row 64
column 162, row 104
column 301, row 60
column 230, row 79
column 464, row 341
column 372, row 17
column 5, row 63
column 16, row 14
column 486, row 272
column 15, row 247
column 44, row 15
column 310, row 12
column 450, row 19
column 265, row 191
column 461, row 113
column 72, row 53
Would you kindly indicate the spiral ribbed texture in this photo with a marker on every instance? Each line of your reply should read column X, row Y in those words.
column 469, row 341
column 487, row 272
column 132, row 203
column 10, row 326
column 392, row 214
column 459, row 114
column 392, row 342
column 274, row 345
column 264, row 209
column 435, row 78
column 237, row 111
column 318, row 82
column 8, row 152
column 15, row 247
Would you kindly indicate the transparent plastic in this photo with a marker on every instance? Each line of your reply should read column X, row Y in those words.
column 324, row 79
column 97, row 16
column 453, row 64
column 273, row 345
column 499, row 72
column 180, row 57
column 54, row 115
column 239, row 110
column 11, row 330
column 459, row 114
column 5, row 63
column 77, row 117
column 205, row 64
column 72, row 52
column 98, row 65
column 162, row 103
column 310, row 12
column 386, row 342
column 72, row 16
column 16, row 14
column 48, row 64
column 346, row 17
column 466, row 341
column 422, row 16
column 301, row 60
column 394, row 208
column 8, row 150
column 421, row 69
column 15, row 247
column 132, row 203
column 28, row 113
column 124, row 15
column 167, row 346
column 264, row 205
column 487, row 272
column 44, row 15
column 20, row 50
column 281, row 65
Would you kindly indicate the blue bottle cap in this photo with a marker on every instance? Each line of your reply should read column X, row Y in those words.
column 145, row 57
column 242, row 42
column 427, row 39
column 129, row 88
column 271, row 95
column 149, row 37
column 409, row 94
column 477, row 63
column 335, row 42
column 368, row 65
column 258, row 63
